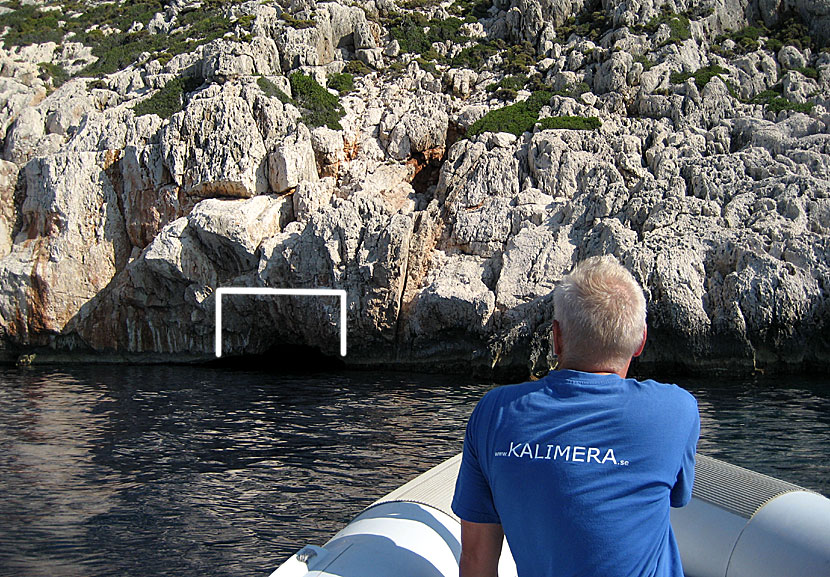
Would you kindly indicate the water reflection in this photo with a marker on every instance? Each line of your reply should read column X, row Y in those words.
column 52, row 486
column 774, row 426
column 166, row 470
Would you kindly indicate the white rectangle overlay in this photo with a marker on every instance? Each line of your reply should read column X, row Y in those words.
column 277, row 291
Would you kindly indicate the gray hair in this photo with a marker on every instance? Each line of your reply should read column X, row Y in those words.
column 601, row 312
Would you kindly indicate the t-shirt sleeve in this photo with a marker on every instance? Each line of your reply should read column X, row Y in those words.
column 473, row 500
column 681, row 493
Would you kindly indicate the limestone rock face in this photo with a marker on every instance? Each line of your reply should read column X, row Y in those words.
column 170, row 286
column 214, row 147
column 8, row 184
column 71, row 245
column 224, row 60
column 707, row 177
column 292, row 162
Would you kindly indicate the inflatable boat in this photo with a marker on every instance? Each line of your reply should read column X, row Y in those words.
column 739, row 524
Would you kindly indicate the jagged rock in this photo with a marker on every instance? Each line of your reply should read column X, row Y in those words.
column 292, row 162
column 754, row 73
column 448, row 250
column 791, row 57
column 797, row 87
column 310, row 197
column 354, row 244
column 328, row 148
column 372, row 57
column 462, row 81
column 224, row 60
column 421, row 130
column 28, row 137
column 66, row 107
column 113, row 129
column 455, row 296
column 524, row 19
column 8, row 215
column 71, row 245
column 363, row 36
column 613, row 73
column 337, row 25
column 129, row 81
column 15, row 97
column 170, row 286
column 274, row 119
column 214, row 148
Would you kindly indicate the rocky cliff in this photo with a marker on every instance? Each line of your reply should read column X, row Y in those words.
column 444, row 162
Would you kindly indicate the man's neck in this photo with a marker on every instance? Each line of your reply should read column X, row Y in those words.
column 598, row 370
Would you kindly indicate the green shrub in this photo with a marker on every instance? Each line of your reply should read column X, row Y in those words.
column 794, row 31
column 475, row 56
column 297, row 23
column 272, row 90
column 342, row 83
column 574, row 91
column 356, row 68
column 416, row 34
column 570, row 123
column 774, row 102
column 410, row 34
column 416, row 4
column 116, row 50
column 516, row 82
column 808, row 71
column 702, row 76
column 680, row 29
column 27, row 24
column 508, row 87
column 516, row 119
column 478, row 9
column 645, row 61
column 773, row 45
column 591, row 25
column 246, row 21
column 427, row 66
column 167, row 101
column 442, row 29
column 320, row 107
column 678, row 24
column 53, row 71
column 520, row 58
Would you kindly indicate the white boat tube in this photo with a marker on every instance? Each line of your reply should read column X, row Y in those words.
column 738, row 524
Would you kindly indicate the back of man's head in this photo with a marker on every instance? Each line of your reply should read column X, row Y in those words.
column 601, row 313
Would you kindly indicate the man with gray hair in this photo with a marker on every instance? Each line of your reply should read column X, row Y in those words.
column 580, row 468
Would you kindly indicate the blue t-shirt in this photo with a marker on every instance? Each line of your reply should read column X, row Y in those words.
column 581, row 470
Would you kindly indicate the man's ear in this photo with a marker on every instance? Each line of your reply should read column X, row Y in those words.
column 639, row 350
column 557, row 338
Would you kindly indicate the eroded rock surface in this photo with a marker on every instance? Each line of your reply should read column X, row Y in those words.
column 708, row 177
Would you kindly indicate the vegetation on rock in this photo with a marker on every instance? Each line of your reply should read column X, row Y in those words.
column 570, row 123
column 702, row 76
column 774, row 102
column 55, row 72
column 516, row 119
column 169, row 100
column 342, row 83
column 110, row 28
column 679, row 26
column 272, row 90
column 320, row 107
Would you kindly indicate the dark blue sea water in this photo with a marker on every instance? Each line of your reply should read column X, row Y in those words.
column 115, row 470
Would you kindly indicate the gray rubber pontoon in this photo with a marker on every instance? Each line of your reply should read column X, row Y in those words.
column 738, row 524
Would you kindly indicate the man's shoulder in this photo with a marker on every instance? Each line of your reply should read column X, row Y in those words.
column 667, row 394
column 508, row 393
